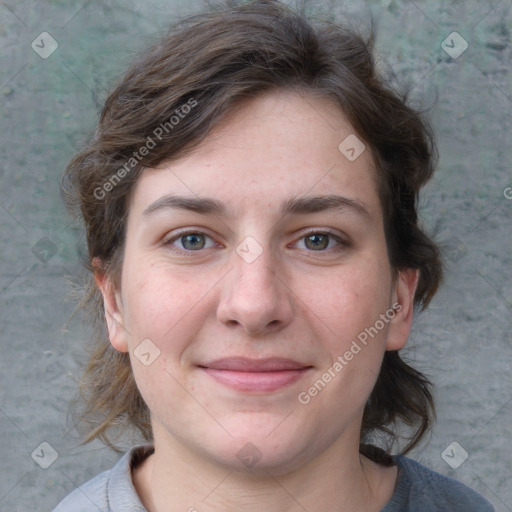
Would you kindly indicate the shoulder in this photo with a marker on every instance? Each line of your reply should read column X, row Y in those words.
column 110, row 491
column 420, row 489
column 91, row 496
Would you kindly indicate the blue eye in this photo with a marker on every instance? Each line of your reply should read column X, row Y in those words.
column 314, row 241
column 191, row 241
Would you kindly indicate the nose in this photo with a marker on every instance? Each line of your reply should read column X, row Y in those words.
column 255, row 296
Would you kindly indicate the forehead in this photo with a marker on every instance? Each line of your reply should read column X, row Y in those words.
column 271, row 148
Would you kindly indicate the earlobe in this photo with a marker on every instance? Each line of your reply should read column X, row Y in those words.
column 113, row 310
column 403, row 304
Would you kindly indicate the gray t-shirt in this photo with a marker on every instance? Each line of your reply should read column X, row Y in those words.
column 418, row 489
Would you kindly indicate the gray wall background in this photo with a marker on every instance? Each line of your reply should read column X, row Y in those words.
column 49, row 105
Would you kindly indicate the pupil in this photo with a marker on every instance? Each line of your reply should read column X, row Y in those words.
column 319, row 241
column 191, row 241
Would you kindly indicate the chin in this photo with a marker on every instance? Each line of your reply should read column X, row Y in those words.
column 259, row 450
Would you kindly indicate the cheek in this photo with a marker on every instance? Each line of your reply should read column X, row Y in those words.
column 349, row 300
column 166, row 308
column 346, row 315
column 162, row 305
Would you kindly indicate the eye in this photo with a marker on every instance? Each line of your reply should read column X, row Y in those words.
column 191, row 241
column 321, row 240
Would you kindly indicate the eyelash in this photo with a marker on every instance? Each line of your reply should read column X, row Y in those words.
column 341, row 243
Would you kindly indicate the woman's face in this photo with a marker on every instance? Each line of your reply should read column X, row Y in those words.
column 256, row 297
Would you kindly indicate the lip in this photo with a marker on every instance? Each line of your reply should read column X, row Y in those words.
column 255, row 375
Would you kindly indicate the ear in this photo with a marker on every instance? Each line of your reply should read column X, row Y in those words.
column 403, row 305
column 113, row 308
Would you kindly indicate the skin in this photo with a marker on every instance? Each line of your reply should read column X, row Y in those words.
column 294, row 300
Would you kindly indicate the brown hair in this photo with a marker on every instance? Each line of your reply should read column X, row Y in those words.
column 182, row 87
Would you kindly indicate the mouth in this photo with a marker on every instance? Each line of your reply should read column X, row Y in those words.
column 255, row 375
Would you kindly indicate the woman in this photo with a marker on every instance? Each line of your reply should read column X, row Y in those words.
column 250, row 204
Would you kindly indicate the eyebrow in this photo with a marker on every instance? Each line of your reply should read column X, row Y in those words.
column 293, row 206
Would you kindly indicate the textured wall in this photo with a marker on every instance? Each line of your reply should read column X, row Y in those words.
column 48, row 105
